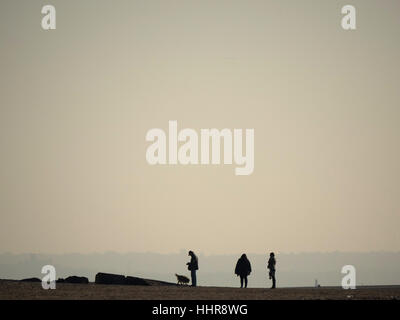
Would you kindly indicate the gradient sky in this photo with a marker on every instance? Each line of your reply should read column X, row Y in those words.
column 76, row 103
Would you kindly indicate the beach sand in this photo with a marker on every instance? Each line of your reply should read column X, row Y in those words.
column 17, row 290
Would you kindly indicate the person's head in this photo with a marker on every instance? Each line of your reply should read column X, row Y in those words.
column 191, row 253
column 243, row 256
column 272, row 254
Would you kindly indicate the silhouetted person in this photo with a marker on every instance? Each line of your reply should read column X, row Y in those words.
column 243, row 269
column 271, row 267
column 193, row 265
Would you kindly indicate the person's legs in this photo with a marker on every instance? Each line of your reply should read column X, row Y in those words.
column 245, row 281
column 273, row 280
column 241, row 281
column 194, row 279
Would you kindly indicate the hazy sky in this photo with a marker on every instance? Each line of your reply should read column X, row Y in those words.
column 76, row 103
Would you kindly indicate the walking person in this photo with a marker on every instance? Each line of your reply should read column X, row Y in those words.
column 271, row 267
column 243, row 269
column 193, row 266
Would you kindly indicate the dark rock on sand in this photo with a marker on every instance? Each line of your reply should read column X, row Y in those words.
column 109, row 278
column 31, row 280
column 75, row 279
column 136, row 281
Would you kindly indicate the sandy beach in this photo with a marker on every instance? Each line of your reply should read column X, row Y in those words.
column 16, row 290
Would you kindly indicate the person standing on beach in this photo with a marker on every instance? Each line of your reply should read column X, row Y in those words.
column 271, row 267
column 193, row 266
column 243, row 269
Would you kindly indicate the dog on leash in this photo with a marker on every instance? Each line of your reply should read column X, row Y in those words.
column 182, row 280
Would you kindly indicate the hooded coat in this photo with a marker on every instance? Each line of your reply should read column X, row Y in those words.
column 243, row 266
column 194, row 263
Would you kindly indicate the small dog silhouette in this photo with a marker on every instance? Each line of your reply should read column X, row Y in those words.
column 182, row 279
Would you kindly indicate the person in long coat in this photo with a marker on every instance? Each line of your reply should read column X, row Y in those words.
column 243, row 269
column 193, row 266
column 271, row 267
